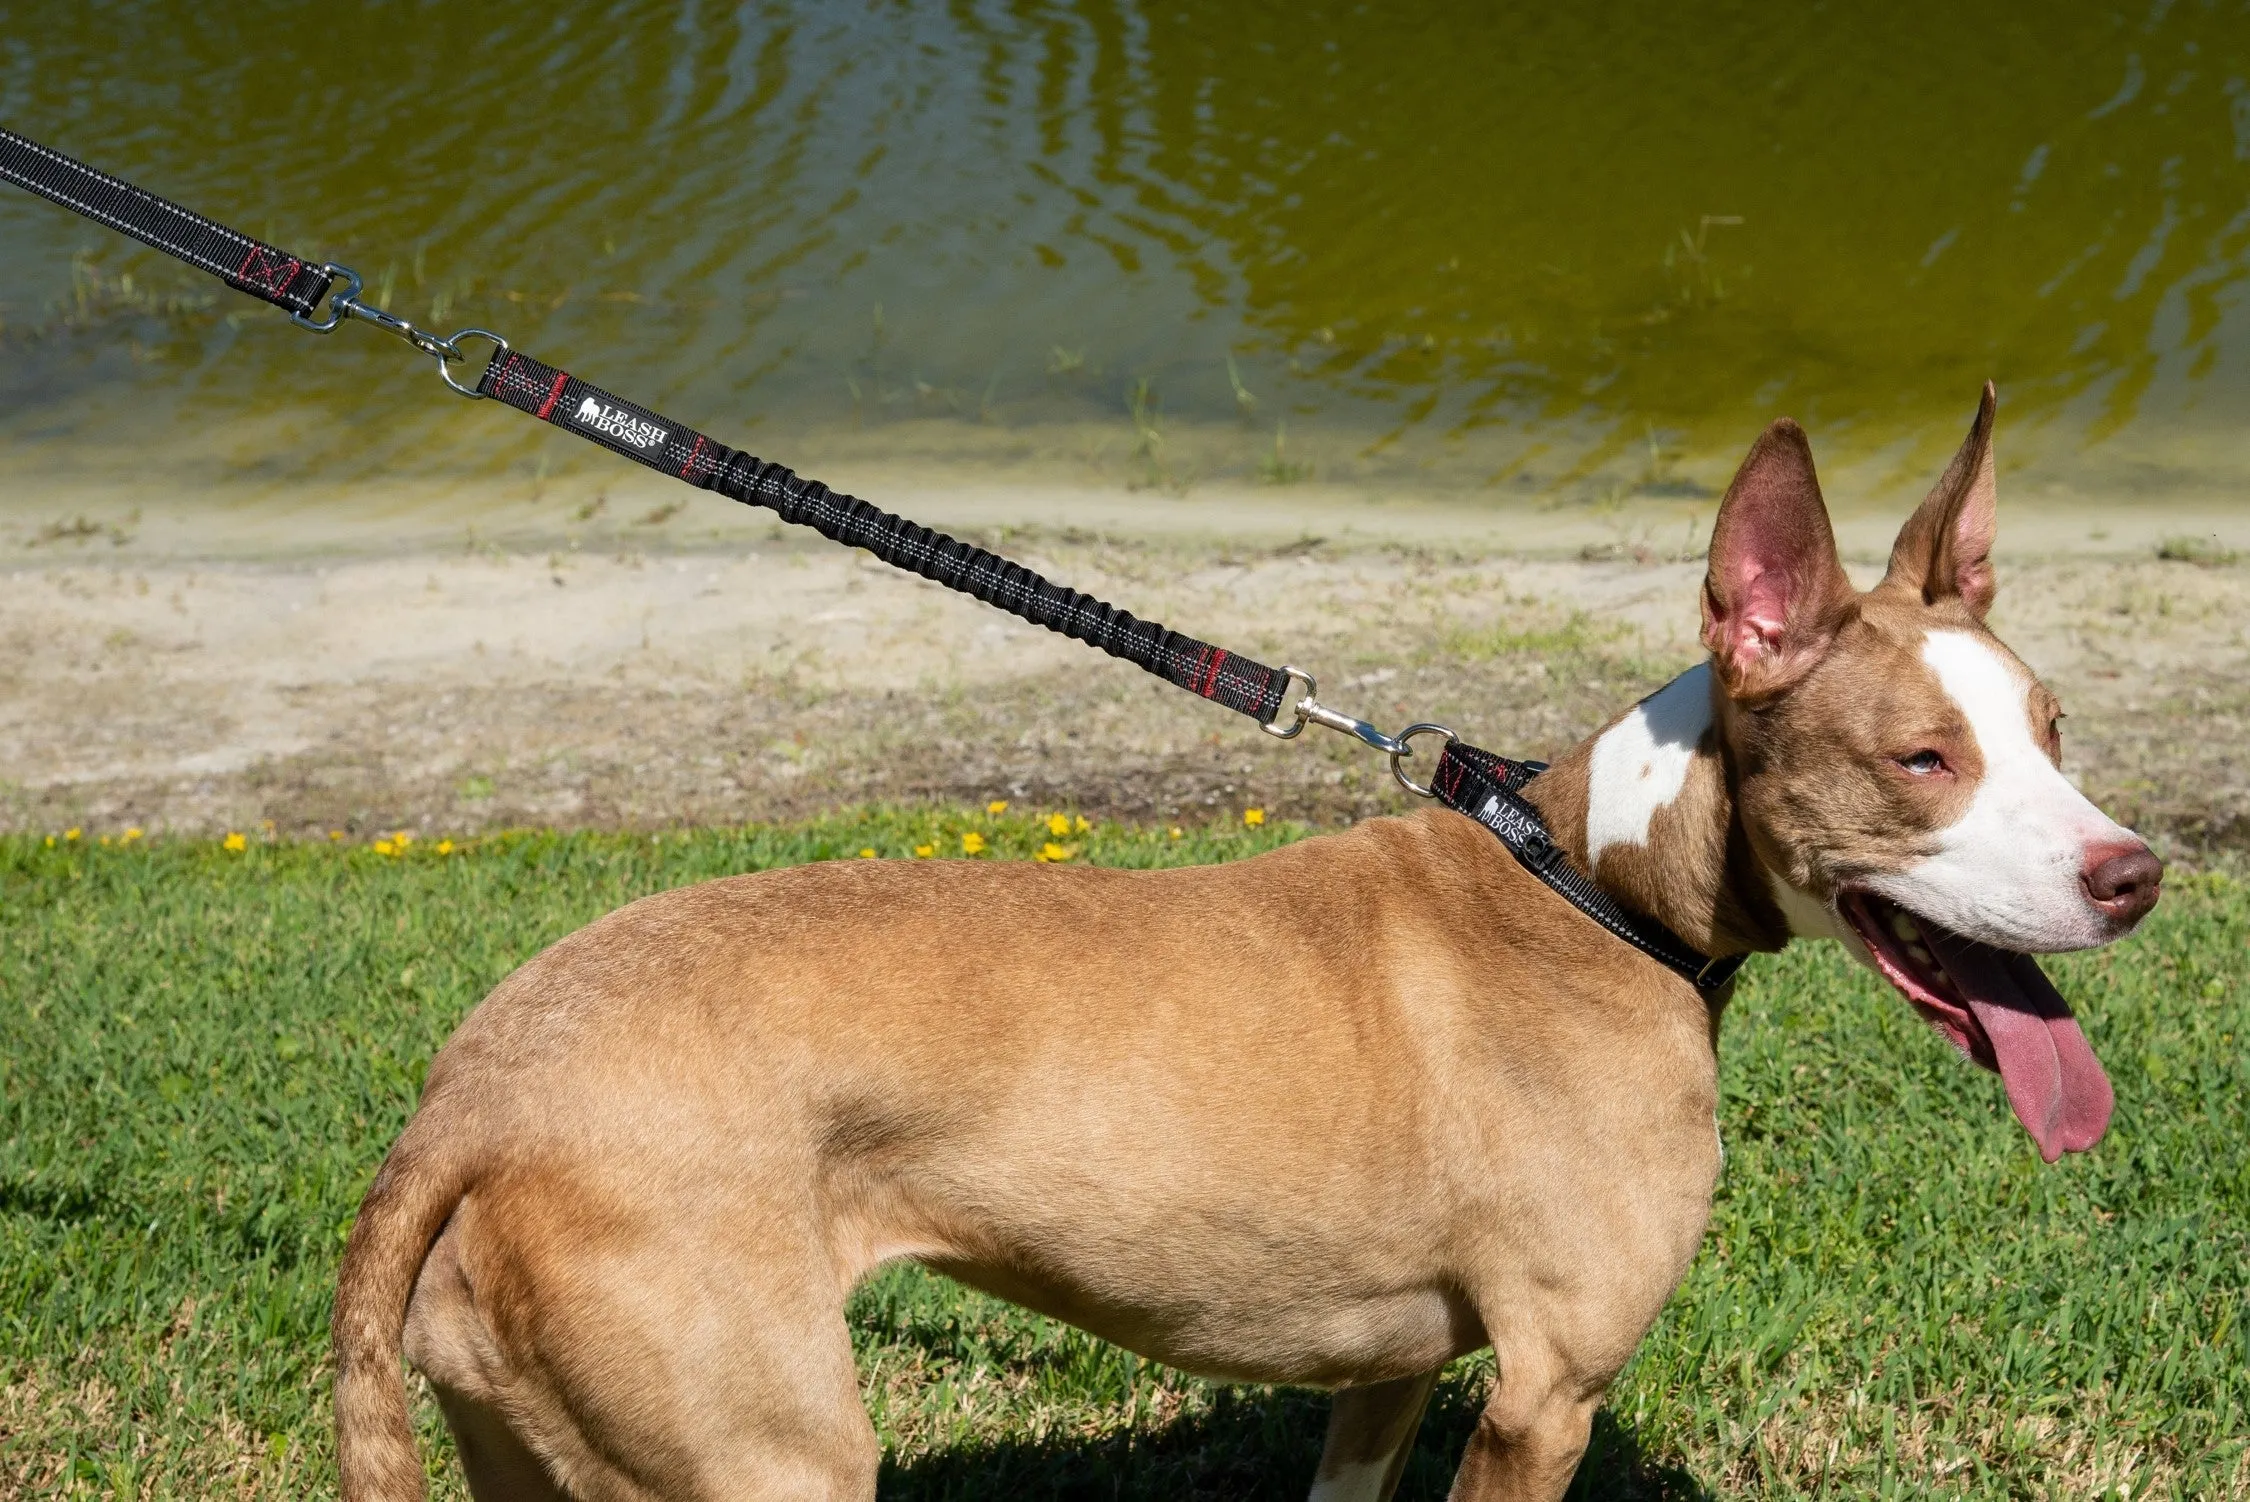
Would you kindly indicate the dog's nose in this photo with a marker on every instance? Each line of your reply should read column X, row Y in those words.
column 2122, row 880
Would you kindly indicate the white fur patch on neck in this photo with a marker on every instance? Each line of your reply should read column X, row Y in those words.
column 1641, row 763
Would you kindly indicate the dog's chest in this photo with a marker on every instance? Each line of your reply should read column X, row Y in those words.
column 1616, row 1148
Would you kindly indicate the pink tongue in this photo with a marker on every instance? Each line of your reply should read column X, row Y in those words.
column 2052, row 1077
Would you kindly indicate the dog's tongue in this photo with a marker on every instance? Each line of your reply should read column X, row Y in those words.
column 2055, row 1083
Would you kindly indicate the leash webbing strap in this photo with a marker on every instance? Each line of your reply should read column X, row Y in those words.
column 1477, row 783
column 554, row 396
column 1488, row 789
column 245, row 264
column 557, row 397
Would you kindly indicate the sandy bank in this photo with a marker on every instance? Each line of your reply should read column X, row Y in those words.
column 628, row 672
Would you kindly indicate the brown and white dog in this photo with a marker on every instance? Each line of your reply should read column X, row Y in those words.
column 1336, row 1115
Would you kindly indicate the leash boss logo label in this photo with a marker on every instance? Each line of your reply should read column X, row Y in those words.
column 600, row 417
column 1506, row 822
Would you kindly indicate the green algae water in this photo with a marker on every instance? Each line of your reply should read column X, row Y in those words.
column 1538, row 252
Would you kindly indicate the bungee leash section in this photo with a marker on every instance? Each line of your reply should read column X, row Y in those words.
column 1478, row 783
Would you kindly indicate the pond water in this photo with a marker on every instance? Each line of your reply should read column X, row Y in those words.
column 1534, row 251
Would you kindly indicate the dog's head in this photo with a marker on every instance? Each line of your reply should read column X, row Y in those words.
column 1898, row 772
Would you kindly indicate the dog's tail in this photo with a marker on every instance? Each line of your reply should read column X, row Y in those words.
column 420, row 1183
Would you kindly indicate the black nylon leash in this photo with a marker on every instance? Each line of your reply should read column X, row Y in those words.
column 244, row 264
column 1484, row 786
column 671, row 448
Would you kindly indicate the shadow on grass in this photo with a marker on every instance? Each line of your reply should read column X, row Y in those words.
column 1255, row 1447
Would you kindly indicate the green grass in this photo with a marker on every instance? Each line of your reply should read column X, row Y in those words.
column 1578, row 635
column 206, row 1053
column 2209, row 552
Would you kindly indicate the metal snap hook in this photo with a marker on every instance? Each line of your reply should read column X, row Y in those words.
column 345, row 304
column 1310, row 711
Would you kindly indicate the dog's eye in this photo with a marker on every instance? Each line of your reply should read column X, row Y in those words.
column 1924, row 763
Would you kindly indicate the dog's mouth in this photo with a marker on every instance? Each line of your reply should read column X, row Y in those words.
column 2000, row 1009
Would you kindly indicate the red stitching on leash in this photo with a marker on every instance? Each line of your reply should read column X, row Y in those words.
column 1211, row 680
column 554, row 394
column 265, row 276
column 692, row 455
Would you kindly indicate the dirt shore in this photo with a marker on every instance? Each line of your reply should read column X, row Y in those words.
column 608, row 675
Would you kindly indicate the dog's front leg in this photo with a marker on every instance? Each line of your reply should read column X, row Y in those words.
column 1529, row 1439
column 1370, row 1431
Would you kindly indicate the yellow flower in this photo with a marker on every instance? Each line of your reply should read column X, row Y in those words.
column 382, row 847
column 1058, row 824
column 131, row 835
column 70, row 833
column 335, row 835
column 445, row 847
column 234, row 841
column 925, row 851
column 402, row 839
column 105, row 841
column 1175, row 831
column 1253, row 817
column 1051, row 852
column 1080, row 824
column 997, row 806
column 868, row 854
column 972, row 842
column 50, row 842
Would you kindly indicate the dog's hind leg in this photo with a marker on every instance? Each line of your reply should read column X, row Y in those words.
column 1370, row 1433
column 619, row 1359
column 449, row 1343
column 498, row 1466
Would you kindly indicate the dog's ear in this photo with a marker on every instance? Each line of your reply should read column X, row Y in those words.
column 1775, row 591
column 1945, row 548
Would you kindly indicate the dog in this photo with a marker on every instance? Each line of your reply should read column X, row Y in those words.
column 1332, row 1116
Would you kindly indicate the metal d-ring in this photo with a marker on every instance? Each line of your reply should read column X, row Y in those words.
column 499, row 348
column 1406, row 749
column 340, row 304
column 1303, row 707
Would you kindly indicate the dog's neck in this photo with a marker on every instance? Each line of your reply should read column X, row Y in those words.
column 1647, row 807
